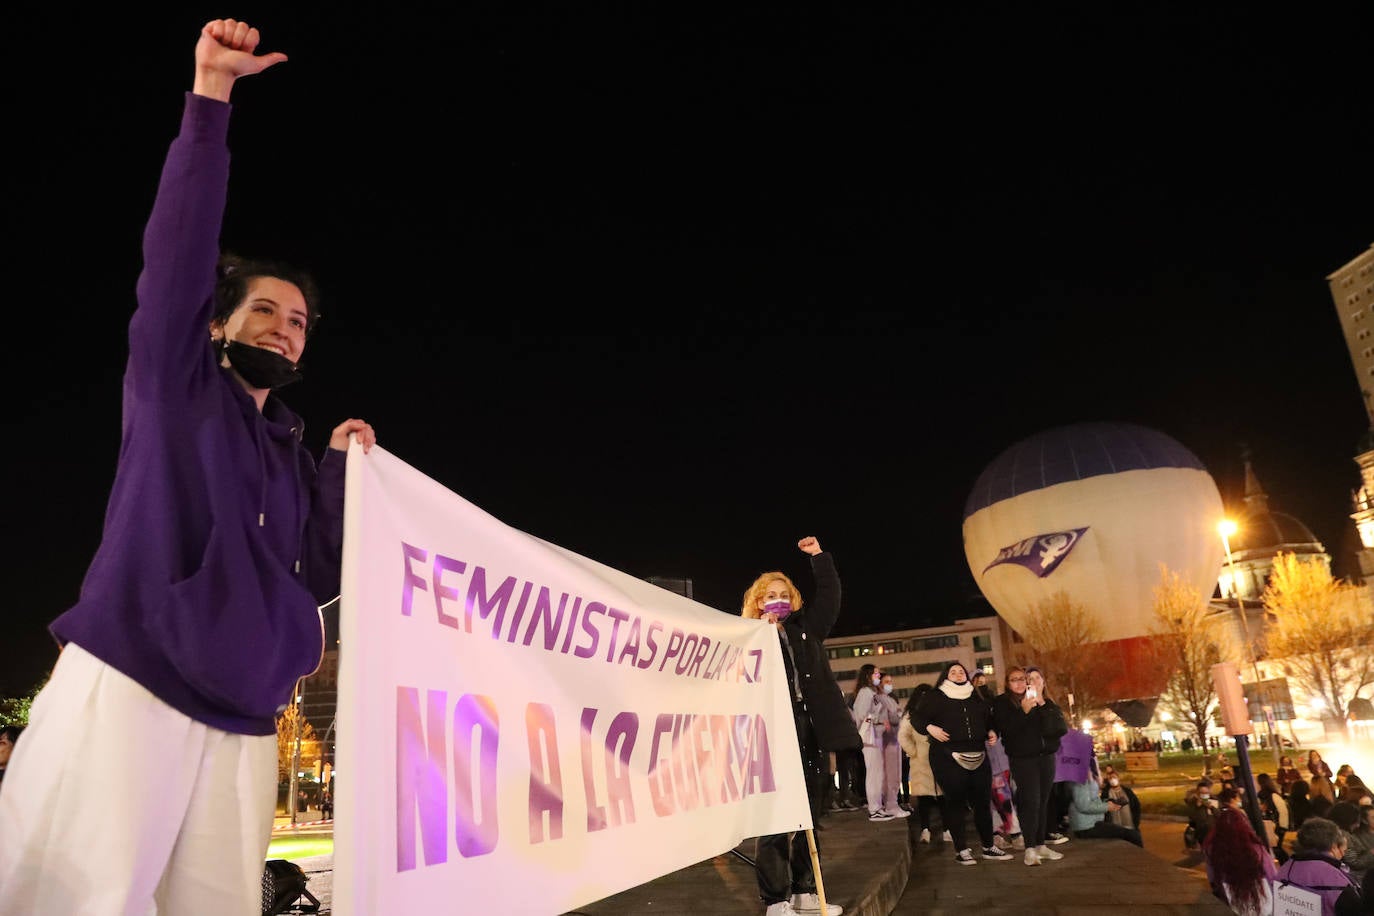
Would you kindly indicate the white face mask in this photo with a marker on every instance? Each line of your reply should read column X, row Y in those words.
column 1114, row 781
column 1204, row 795
column 877, row 679
column 887, row 688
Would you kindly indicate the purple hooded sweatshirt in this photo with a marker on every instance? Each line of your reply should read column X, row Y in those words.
column 221, row 539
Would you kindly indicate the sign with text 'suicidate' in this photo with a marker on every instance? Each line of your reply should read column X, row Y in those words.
column 1295, row 901
column 524, row 730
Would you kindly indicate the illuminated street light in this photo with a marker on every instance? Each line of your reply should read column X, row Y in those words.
column 1226, row 528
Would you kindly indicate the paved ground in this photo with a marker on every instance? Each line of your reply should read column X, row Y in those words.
column 873, row 870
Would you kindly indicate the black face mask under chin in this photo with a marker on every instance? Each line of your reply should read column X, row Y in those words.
column 261, row 368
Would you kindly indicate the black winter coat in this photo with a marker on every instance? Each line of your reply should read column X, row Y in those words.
column 806, row 631
column 967, row 721
column 1028, row 734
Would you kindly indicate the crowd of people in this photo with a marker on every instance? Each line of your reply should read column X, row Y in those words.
column 961, row 745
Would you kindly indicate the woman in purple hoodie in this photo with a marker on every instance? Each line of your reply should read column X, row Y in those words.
column 146, row 780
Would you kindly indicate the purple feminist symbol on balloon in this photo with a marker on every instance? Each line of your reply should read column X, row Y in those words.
column 1041, row 554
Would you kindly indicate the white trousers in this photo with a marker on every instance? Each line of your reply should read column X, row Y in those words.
column 115, row 803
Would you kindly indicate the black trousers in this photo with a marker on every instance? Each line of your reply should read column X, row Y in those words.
column 1105, row 830
column 1034, row 779
column 963, row 788
column 783, row 861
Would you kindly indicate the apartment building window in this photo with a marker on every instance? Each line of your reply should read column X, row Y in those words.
column 982, row 644
column 940, row 642
column 986, row 665
column 891, row 648
column 848, row 651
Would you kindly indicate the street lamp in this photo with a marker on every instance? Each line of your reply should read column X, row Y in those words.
column 1226, row 528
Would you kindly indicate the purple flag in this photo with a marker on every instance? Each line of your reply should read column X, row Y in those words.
column 1041, row 553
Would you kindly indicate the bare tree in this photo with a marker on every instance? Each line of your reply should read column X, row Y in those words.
column 286, row 738
column 1319, row 632
column 1056, row 639
column 1187, row 642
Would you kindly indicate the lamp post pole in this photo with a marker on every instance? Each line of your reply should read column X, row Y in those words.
column 297, row 697
column 1266, row 708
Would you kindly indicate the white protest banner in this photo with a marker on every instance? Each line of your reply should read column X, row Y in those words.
column 1295, row 901
column 524, row 730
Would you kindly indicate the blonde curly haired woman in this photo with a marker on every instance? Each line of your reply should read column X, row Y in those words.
column 787, row 884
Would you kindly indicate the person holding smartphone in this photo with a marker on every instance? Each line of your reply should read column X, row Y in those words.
column 1031, row 725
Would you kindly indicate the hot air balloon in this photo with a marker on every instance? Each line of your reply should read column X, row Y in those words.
column 1092, row 510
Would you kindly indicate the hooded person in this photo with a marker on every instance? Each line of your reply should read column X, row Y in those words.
column 958, row 721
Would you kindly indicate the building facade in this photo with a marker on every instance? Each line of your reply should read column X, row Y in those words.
column 918, row 656
column 1352, row 292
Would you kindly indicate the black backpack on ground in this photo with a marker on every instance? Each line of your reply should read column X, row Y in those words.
column 283, row 886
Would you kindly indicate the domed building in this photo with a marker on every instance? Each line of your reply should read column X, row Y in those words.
column 1261, row 535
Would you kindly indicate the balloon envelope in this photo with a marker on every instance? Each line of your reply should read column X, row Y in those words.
column 1092, row 510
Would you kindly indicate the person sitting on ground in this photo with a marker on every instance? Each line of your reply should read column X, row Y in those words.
column 1287, row 774
column 1359, row 854
column 1088, row 812
column 1274, row 808
column 1357, row 793
column 1343, row 774
column 1299, row 805
column 1202, row 810
column 1316, row 866
column 1229, row 798
column 1224, row 773
column 1127, row 813
column 1239, row 866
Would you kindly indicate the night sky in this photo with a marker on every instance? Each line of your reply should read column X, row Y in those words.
column 674, row 287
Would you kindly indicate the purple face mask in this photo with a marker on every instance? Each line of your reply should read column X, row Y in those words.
column 780, row 606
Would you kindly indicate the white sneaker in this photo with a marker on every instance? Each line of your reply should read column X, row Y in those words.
column 1031, row 857
column 999, row 841
column 1018, row 842
column 925, row 835
column 1056, row 838
column 780, row 909
column 1045, row 852
column 965, row 857
column 880, row 816
column 946, row 837
column 900, row 812
column 997, row 855
column 810, row 905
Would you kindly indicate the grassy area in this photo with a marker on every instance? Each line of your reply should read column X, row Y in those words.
column 298, row 847
column 1161, row 791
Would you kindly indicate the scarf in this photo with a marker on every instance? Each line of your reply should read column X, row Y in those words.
column 957, row 691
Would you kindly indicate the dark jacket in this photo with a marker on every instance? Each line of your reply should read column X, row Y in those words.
column 1028, row 734
column 822, row 700
column 967, row 721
